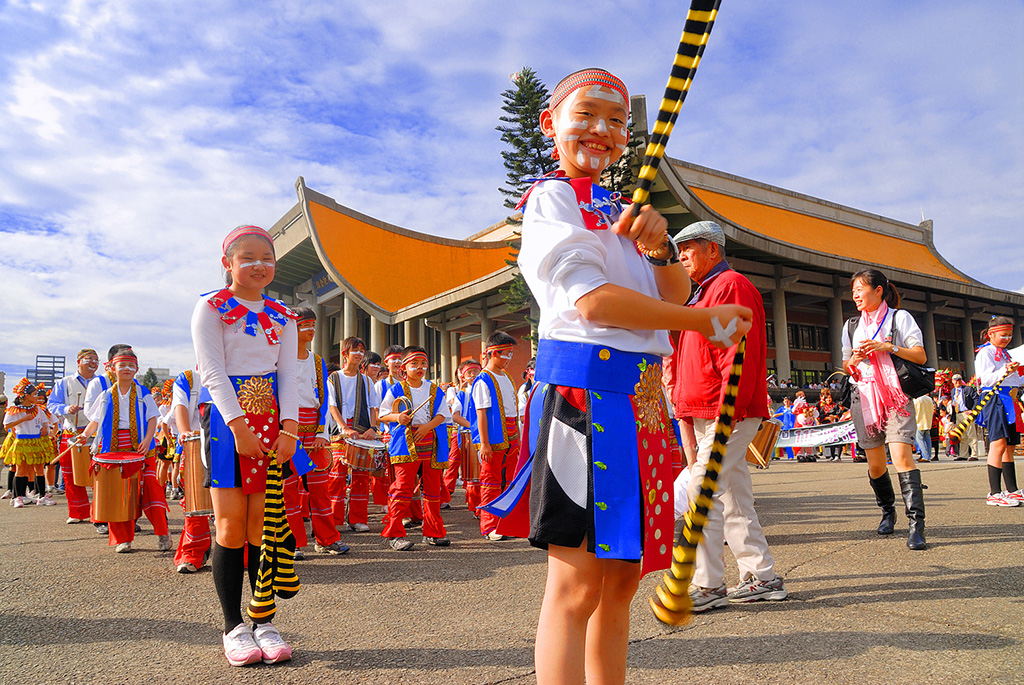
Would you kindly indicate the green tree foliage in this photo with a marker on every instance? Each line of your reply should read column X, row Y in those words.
column 529, row 155
column 149, row 378
column 621, row 176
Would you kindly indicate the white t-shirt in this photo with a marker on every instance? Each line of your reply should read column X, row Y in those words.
column 190, row 402
column 419, row 396
column 225, row 350
column 562, row 261
column 898, row 327
column 348, row 394
column 33, row 426
column 482, row 394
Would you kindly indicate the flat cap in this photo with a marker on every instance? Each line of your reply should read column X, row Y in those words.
column 708, row 230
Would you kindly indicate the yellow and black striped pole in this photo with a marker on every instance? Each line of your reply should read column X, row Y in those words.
column 276, row 574
column 700, row 19
column 961, row 425
column 671, row 601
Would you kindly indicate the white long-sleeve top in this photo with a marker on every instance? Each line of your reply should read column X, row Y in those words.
column 225, row 350
column 69, row 391
column 306, row 375
column 562, row 261
column 989, row 370
column 190, row 402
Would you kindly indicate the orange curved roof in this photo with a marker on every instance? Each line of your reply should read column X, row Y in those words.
column 828, row 237
column 428, row 265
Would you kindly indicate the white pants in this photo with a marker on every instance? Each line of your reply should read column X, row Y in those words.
column 732, row 516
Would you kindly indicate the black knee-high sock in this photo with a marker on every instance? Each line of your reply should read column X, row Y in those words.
column 40, row 485
column 227, row 566
column 10, row 480
column 253, row 566
column 994, row 474
column 20, row 485
column 1010, row 476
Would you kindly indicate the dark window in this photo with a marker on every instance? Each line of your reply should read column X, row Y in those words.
column 769, row 334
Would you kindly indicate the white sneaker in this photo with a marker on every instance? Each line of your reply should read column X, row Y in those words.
column 163, row 543
column 45, row 501
column 1001, row 499
column 72, row 519
column 7, row 495
column 240, row 646
column 361, row 527
column 18, row 503
column 123, row 547
column 273, row 646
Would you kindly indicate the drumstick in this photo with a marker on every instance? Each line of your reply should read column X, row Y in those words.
column 71, row 445
column 403, row 398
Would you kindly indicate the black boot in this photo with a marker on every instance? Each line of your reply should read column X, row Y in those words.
column 886, row 499
column 913, row 497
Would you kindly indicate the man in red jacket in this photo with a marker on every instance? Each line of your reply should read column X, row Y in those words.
column 701, row 373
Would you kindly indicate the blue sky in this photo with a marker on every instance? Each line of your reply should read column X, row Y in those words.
column 134, row 135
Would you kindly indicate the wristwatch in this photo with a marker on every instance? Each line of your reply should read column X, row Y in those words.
column 894, row 349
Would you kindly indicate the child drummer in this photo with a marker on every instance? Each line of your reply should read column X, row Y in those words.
column 246, row 348
column 354, row 404
column 418, row 441
column 456, row 396
column 313, row 405
column 609, row 290
column 27, row 448
column 67, row 401
column 124, row 420
column 194, row 543
column 1002, row 413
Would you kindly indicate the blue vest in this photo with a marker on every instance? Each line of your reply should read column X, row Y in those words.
column 107, row 428
column 495, row 413
column 398, row 446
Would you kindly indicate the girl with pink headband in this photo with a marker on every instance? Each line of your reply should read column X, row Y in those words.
column 246, row 344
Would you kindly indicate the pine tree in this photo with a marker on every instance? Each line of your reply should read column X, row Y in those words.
column 149, row 378
column 530, row 153
column 621, row 176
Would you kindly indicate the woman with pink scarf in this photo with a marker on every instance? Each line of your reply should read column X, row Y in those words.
column 882, row 413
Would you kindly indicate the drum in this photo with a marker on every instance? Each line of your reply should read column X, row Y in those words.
column 81, row 466
column 762, row 446
column 359, row 453
column 198, row 501
column 116, row 497
column 470, row 461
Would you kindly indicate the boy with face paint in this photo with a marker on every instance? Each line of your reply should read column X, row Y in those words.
column 392, row 373
column 353, row 403
column 494, row 423
column 457, row 399
column 610, row 287
column 417, row 438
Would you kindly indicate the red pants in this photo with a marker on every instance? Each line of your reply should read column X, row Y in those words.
column 154, row 506
column 495, row 475
column 451, row 472
column 293, row 509
column 320, row 513
column 400, row 499
column 78, row 497
column 194, row 541
column 337, row 487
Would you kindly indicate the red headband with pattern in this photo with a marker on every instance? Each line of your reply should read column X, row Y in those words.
column 1000, row 328
column 243, row 231
column 588, row 77
column 499, row 348
column 125, row 358
column 414, row 356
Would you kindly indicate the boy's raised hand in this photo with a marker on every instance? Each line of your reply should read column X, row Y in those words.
column 649, row 229
column 726, row 324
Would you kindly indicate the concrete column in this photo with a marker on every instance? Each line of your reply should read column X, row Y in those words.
column 781, row 321
column 378, row 335
column 968, row 345
column 835, row 331
column 456, row 348
column 446, row 357
column 348, row 315
column 931, row 347
column 422, row 332
column 1016, row 342
column 321, row 338
column 486, row 328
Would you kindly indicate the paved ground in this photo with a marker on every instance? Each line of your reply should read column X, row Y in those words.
column 862, row 608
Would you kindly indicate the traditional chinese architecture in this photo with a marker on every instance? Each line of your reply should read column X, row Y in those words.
column 798, row 250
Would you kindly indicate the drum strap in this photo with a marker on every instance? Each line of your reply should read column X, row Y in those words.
column 361, row 417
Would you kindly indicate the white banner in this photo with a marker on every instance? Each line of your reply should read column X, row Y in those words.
column 816, row 436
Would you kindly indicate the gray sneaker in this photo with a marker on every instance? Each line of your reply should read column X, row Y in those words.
column 399, row 544
column 752, row 590
column 708, row 598
column 334, row 548
column 163, row 543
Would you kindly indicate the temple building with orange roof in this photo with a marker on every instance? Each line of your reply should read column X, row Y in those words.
column 798, row 250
